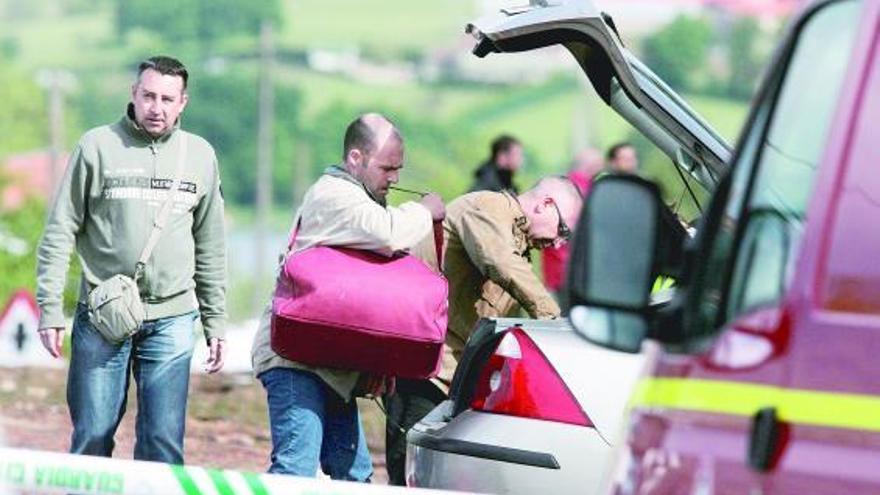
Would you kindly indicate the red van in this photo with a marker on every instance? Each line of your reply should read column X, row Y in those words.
column 764, row 371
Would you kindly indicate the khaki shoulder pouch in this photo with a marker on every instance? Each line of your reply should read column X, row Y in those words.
column 115, row 307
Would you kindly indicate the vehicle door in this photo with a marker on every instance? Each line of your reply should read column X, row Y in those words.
column 720, row 414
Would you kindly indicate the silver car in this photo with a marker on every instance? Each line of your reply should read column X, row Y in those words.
column 529, row 412
column 534, row 408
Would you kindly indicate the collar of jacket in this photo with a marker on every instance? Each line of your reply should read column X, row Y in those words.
column 135, row 130
column 340, row 173
column 521, row 221
column 489, row 170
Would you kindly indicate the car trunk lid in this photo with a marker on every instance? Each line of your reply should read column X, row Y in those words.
column 619, row 78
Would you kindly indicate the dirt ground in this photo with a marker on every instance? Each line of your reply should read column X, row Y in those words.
column 227, row 425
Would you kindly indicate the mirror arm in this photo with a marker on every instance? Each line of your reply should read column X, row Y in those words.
column 686, row 261
column 666, row 323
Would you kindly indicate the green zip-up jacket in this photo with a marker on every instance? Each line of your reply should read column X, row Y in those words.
column 116, row 182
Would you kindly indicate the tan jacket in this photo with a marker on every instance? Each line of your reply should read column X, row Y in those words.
column 337, row 212
column 486, row 260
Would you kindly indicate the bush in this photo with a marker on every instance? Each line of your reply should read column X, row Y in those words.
column 19, row 266
column 204, row 20
column 743, row 58
column 223, row 110
column 678, row 50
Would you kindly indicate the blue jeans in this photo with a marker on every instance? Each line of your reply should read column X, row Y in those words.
column 310, row 423
column 158, row 357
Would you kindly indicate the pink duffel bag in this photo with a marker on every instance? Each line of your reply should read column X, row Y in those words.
column 353, row 309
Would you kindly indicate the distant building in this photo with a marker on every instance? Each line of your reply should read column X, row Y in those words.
column 455, row 62
column 28, row 174
column 636, row 18
column 761, row 9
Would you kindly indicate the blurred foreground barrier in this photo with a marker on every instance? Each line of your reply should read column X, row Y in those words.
column 36, row 472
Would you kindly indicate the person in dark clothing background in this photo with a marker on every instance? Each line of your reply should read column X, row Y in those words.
column 622, row 157
column 497, row 173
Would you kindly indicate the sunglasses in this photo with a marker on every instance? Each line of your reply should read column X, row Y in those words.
column 562, row 229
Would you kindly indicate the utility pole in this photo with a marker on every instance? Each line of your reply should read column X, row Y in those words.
column 56, row 82
column 301, row 171
column 265, row 132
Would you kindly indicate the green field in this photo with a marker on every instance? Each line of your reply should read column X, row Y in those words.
column 447, row 126
column 553, row 119
column 726, row 116
column 46, row 36
column 72, row 41
column 378, row 26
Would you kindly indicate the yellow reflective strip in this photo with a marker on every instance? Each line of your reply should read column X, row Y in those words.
column 861, row 412
column 661, row 283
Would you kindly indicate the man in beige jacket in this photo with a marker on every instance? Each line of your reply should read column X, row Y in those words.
column 312, row 413
column 488, row 238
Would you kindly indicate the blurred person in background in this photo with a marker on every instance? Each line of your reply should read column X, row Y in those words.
column 554, row 260
column 622, row 157
column 497, row 173
column 105, row 208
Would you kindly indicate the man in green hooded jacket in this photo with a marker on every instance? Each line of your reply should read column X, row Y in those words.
column 117, row 180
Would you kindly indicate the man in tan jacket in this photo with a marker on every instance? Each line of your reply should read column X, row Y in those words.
column 488, row 237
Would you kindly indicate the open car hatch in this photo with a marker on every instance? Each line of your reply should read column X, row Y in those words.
column 620, row 79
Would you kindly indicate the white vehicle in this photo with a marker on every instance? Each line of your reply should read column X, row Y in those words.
column 533, row 407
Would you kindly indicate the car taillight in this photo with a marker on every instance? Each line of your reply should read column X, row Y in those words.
column 518, row 380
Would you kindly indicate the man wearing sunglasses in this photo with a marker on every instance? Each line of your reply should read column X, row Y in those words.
column 488, row 239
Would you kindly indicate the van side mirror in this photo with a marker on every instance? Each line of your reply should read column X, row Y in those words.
column 612, row 263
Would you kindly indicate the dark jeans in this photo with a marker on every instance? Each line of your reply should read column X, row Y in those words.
column 312, row 425
column 158, row 357
column 412, row 400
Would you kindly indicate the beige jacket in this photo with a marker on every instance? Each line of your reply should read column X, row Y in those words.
column 486, row 260
column 338, row 212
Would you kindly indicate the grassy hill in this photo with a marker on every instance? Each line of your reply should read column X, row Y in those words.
column 447, row 126
column 379, row 26
column 552, row 119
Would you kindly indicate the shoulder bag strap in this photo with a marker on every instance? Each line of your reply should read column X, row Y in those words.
column 162, row 217
column 438, row 244
column 293, row 234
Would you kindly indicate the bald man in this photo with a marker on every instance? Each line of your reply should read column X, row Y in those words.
column 488, row 238
column 312, row 412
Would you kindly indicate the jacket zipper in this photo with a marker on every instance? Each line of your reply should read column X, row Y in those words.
column 155, row 152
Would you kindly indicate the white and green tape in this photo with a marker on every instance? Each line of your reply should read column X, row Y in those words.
column 37, row 472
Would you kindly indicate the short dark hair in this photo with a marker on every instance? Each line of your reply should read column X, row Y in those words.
column 167, row 66
column 502, row 144
column 612, row 151
column 359, row 135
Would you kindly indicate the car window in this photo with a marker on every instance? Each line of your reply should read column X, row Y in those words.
column 783, row 182
column 850, row 278
column 760, row 228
